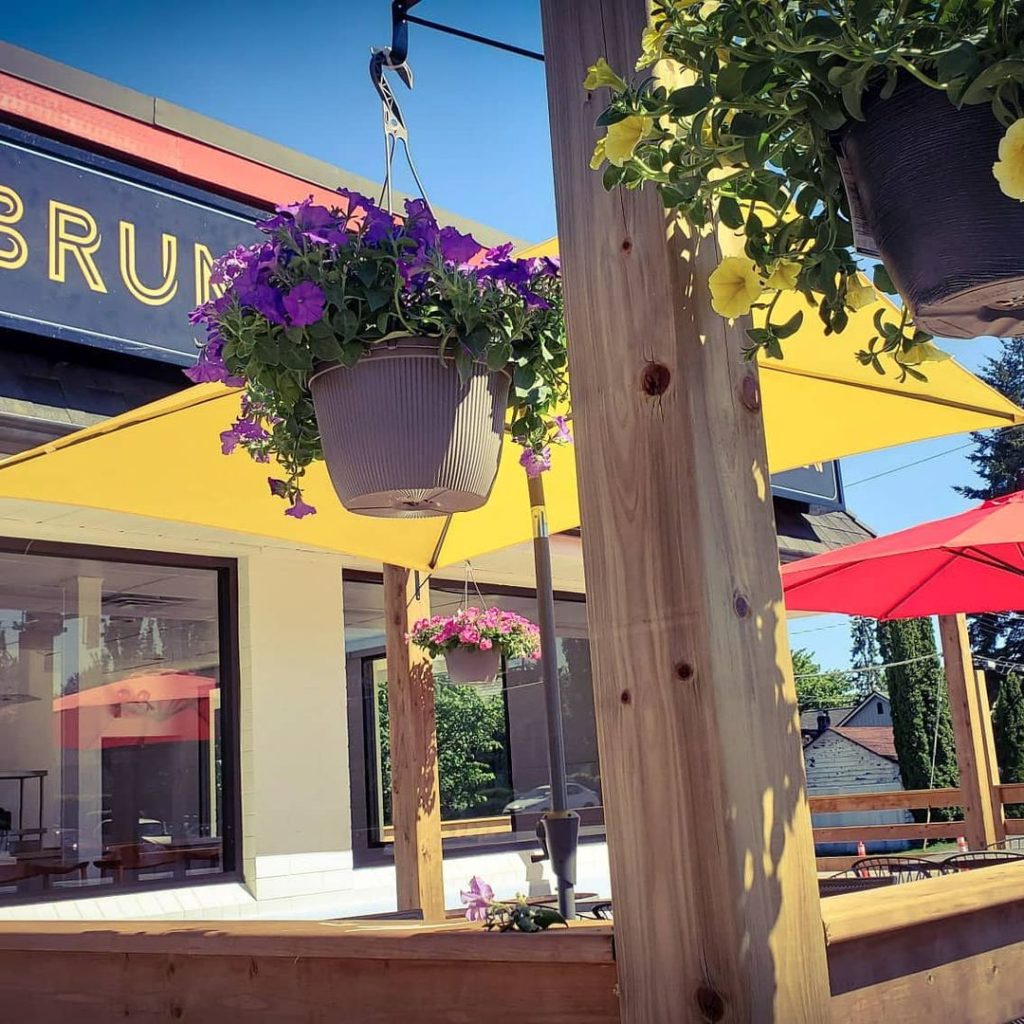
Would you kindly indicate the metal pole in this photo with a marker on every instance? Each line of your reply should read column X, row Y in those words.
column 560, row 825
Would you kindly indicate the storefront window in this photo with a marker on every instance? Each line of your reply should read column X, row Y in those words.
column 114, row 727
column 492, row 741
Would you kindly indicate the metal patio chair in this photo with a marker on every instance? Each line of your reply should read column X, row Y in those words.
column 848, row 881
column 972, row 860
column 900, row 869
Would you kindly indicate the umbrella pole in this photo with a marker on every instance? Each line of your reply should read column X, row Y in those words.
column 559, row 828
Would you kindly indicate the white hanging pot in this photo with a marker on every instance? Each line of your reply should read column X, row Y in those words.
column 470, row 666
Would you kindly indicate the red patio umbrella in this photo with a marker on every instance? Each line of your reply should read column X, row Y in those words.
column 971, row 562
column 165, row 707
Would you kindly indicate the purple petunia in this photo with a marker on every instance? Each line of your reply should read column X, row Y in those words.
column 477, row 898
column 268, row 301
column 459, row 248
column 304, row 304
column 535, row 463
column 562, row 434
column 299, row 509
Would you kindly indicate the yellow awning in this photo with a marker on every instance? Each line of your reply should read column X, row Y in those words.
column 163, row 460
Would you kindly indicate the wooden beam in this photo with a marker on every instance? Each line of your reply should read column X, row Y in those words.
column 903, row 799
column 876, row 833
column 712, row 863
column 415, row 799
column 968, row 732
column 1011, row 793
column 991, row 760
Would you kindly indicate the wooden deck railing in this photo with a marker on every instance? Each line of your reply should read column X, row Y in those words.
column 459, row 827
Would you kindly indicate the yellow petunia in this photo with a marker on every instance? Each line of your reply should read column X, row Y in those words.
column 624, row 136
column 784, row 276
column 923, row 352
column 601, row 75
column 859, row 295
column 1009, row 168
column 652, row 45
column 735, row 286
column 598, row 158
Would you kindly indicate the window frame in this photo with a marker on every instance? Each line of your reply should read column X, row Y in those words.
column 226, row 570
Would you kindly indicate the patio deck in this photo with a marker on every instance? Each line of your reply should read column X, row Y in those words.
column 943, row 949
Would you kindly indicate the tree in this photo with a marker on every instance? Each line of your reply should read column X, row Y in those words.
column 998, row 459
column 818, row 689
column 921, row 724
column 1008, row 726
column 471, row 757
column 864, row 652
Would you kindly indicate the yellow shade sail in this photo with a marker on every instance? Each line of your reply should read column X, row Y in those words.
column 163, row 460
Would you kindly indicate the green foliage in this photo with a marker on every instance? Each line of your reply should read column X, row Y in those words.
column 753, row 137
column 864, row 652
column 817, row 689
column 471, row 758
column 1008, row 726
column 920, row 706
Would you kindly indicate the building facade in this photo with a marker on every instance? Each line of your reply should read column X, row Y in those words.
column 192, row 721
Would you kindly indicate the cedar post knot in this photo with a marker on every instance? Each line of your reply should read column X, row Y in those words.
column 684, row 670
column 626, row 697
column 627, row 246
column 750, row 393
column 710, row 1003
column 654, row 379
column 741, row 605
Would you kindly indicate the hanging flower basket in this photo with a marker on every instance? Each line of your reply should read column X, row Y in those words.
column 952, row 249
column 474, row 640
column 404, row 435
column 391, row 348
column 808, row 131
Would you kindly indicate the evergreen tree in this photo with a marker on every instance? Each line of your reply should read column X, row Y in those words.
column 1008, row 725
column 863, row 652
column 918, row 695
column 998, row 459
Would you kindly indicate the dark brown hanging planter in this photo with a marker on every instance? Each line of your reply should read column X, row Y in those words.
column 470, row 666
column 924, row 200
column 403, row 436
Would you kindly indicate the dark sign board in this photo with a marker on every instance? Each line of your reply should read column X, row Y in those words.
column 101, row 253
column 820, row 484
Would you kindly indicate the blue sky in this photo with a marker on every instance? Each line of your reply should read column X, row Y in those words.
column 297, row 74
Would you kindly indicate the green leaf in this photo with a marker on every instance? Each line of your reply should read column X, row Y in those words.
column 464, row 363
column 367, row 273
column 891, row 81
column 377, row 298
column 499, row 356
column 756, row 77
column 326, row 348
column 959, row 60
column 729, row 212
column 790, row 327
column 729, row 81
column 865, row 12
column 853, row 91
column 612, row 115
column 611, row 177
column 545, row 917
column 744, row 124
column 883, row 282
column 825, row 112
column 1002, row 71
column 690, row 99
column 821, row 27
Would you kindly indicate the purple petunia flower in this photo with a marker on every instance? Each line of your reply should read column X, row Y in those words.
column 562, row 435
column 356, row 200
column 535, row 463
column 266, row 299
column 279, row 488
column 459, row 248
column 229, row 441
column 420, row 224
column 304, row 304
column 535, row 301
column 477, row 898
column 378, row 226
column 299, row 509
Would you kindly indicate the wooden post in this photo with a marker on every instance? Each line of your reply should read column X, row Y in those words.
column 415, row 801
column 709, row 835
column 991, row 761
column 968, row 731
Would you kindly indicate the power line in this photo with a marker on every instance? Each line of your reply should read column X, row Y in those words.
column 908, row 465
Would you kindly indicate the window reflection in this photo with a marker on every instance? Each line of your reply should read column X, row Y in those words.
column 110, row 724
column 492, row 745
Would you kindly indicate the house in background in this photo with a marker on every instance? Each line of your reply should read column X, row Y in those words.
column 854, row 757
column 873, row 710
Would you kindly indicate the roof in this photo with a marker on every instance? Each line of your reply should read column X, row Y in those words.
column 804, row 532
column 876, row 738
column 179, row 121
